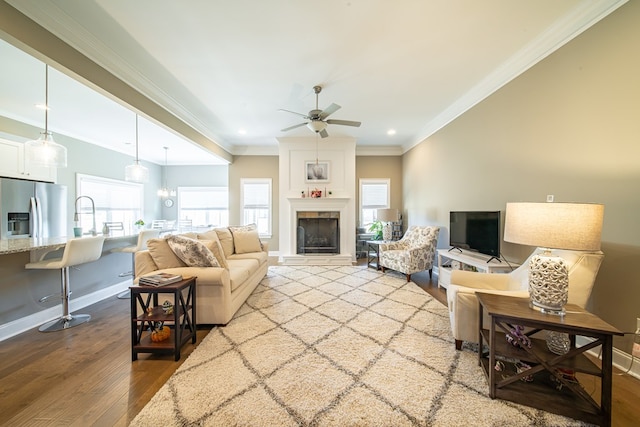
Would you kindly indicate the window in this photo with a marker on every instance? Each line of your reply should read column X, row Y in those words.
column 204, row 206
column 374, row 195
column 115, row 201
column 256, row 203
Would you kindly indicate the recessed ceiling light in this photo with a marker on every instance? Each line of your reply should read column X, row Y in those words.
column 391, row 132
column 242, row 131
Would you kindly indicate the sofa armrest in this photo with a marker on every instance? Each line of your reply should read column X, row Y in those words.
column 392, row 246
column 463, row 309
column 212, row 276
column 144, row 263
column 265, row 246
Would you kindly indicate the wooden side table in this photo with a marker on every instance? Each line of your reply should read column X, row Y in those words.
column 182, row 321
column 549, row 389
column 373, row 253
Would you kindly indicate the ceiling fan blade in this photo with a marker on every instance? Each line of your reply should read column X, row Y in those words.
column 293, row 112
column 323, row 133
column 344, row 123
column 292, row 127
column 329, row 110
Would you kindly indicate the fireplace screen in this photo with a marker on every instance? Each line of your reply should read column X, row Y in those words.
column 318, row 233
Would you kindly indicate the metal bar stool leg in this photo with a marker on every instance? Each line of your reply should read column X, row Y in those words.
column 127, row 294
column 66, row 320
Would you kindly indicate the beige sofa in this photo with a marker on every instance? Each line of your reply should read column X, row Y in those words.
column 220, row 290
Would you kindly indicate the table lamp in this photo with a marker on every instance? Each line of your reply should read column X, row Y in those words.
column 570, row 226
column 387, row 216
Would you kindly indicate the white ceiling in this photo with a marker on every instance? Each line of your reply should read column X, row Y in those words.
column 224, row 66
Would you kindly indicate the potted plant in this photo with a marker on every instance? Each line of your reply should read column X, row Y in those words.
column 376, row 228
column 139, row 223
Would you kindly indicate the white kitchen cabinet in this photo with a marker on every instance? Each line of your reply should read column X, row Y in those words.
column 13, row 164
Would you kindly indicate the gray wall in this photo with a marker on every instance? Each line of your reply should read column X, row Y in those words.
column 568, row 127
column 192, row 176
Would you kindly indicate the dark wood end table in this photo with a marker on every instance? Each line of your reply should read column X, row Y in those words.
column 550, row 389
column 373, row 253
column 182, row 321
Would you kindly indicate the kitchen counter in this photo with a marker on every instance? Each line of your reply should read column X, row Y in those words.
column 12, row 246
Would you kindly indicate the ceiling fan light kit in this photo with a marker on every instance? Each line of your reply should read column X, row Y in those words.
column 317, row 119
column 316, row 126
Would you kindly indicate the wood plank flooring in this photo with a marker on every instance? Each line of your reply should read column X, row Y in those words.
column 84, row 376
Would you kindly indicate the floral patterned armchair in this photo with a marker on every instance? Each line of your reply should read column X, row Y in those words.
column 413, row 253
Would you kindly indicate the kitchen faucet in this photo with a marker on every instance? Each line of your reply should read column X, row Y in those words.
column 93, row 213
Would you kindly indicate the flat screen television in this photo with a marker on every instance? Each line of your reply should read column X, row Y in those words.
column 477, row 231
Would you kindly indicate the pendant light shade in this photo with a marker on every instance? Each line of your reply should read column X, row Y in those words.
column 136, row 172
column 44, row 151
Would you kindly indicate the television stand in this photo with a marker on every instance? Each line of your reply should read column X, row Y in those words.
column 469, row 261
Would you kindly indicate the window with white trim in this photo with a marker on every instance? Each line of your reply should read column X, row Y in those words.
column 115, row 201
column 204, row 206
column 256, row 203
column 374, row 195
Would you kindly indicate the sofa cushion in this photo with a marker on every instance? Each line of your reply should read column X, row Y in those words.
column 193, row 252
column 162, row 254
column 246, row 241
column 240, row 270
column 261, row 257
column 226, row 240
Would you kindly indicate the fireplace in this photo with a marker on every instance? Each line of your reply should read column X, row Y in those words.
column 318, row 233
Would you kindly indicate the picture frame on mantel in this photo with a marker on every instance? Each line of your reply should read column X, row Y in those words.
column 316, row 171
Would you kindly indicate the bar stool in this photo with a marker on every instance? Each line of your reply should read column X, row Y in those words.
column 143, row 237
column 77, row 251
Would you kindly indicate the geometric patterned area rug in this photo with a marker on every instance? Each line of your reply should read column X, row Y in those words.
column 334, row 346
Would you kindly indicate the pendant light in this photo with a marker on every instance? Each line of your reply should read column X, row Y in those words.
column 165, row 191
column 136, row 172
column 44, row 151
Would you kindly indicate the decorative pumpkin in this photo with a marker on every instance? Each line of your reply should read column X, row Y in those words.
column 160, row 333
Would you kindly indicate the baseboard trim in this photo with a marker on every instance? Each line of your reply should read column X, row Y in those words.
column 621, row 360
column 31, row 321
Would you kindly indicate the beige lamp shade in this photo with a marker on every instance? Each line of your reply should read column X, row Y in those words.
column 571, row 226
column 387, row 215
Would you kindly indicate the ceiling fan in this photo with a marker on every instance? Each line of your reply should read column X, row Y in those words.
column 317, row 119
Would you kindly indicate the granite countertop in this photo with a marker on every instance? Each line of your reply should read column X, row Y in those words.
column 12, row 246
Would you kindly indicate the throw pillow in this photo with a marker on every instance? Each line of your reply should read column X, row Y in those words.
column 162, row 254
column 246, row 241
column 192, row 252
column 240, row 229
column 210, row 239
column 248, row 227
column 216, row 249
column 226, row 240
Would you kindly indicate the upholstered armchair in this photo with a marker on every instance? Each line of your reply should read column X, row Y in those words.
column 413, row 253
column 463, row 304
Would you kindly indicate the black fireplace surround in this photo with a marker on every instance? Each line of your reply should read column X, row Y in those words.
column 318, row 233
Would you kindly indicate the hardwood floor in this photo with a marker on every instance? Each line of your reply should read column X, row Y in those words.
column 84, row 376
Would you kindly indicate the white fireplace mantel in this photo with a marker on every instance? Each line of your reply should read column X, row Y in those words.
column 340, row 154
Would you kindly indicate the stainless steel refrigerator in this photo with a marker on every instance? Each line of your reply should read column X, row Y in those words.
column 32, row 209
